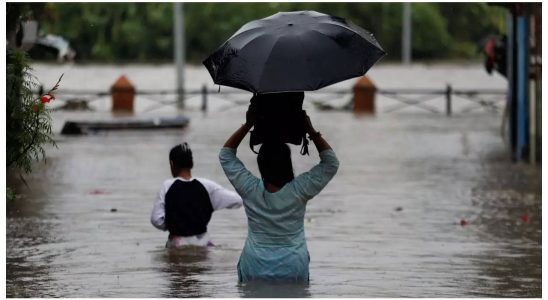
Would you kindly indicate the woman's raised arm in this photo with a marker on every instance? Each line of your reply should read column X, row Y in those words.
column 236, row 138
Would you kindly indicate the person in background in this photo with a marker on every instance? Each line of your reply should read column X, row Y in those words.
column 185, row 204
column 275, row 204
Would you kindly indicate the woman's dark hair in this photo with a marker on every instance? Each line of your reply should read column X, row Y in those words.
column 181, row 156
column 275, row 165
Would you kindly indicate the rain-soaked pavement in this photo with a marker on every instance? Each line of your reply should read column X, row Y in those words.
column 388, row 224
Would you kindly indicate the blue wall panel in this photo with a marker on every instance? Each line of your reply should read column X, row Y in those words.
column 522, row 40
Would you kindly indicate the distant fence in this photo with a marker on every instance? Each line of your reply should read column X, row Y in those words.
column 487, row 99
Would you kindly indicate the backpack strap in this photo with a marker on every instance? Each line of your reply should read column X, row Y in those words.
column 251, row 144
column 304, row 148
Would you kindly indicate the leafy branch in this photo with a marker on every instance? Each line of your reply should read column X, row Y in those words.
column 28, row 120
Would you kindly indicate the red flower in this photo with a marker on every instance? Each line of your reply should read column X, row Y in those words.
column 525, row 218
column 45, row 99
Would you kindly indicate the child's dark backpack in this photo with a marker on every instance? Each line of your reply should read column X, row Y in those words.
column 280, row 118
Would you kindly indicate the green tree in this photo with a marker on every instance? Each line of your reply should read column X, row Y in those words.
column 28, row 124
column 114, row 31
column 430, row 38
column 469, row 24
column 143, row 31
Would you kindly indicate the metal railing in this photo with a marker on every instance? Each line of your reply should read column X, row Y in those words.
column 488, row 99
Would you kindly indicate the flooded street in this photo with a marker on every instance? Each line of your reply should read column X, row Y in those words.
column 387, row 225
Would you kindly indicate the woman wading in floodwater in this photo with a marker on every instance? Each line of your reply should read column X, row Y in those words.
column 275, row 248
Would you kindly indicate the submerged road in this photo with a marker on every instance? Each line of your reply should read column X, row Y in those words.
column 388, row 225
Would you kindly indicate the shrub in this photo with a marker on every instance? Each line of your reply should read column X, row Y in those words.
column 28, row 121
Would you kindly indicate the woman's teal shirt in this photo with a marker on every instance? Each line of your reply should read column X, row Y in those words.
column 275, row 248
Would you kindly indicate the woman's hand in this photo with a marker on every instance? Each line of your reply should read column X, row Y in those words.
column 314, row 135
column 308, row 125
column 250, row 116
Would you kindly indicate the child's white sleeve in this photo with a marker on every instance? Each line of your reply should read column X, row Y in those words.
column 221, row 197
column 157, row 218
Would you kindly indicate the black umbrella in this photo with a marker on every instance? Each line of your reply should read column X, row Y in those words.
column 293, row 51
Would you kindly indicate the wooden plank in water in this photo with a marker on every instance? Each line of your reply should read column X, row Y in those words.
column 83, row 127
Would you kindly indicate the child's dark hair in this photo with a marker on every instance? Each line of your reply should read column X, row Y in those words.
column 274, row 162
column 181, row 156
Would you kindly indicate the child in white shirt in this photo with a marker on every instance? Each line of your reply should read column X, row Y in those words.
column 185, row 204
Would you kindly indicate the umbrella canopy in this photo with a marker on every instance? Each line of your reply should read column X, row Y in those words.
column 293, row 51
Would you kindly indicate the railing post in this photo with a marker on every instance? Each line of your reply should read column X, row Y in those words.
column 448, row 92
column 364, row 96
column 123, row 94
column 204, row 97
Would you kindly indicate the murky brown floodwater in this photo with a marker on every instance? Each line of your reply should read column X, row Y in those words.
column 386, row 226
